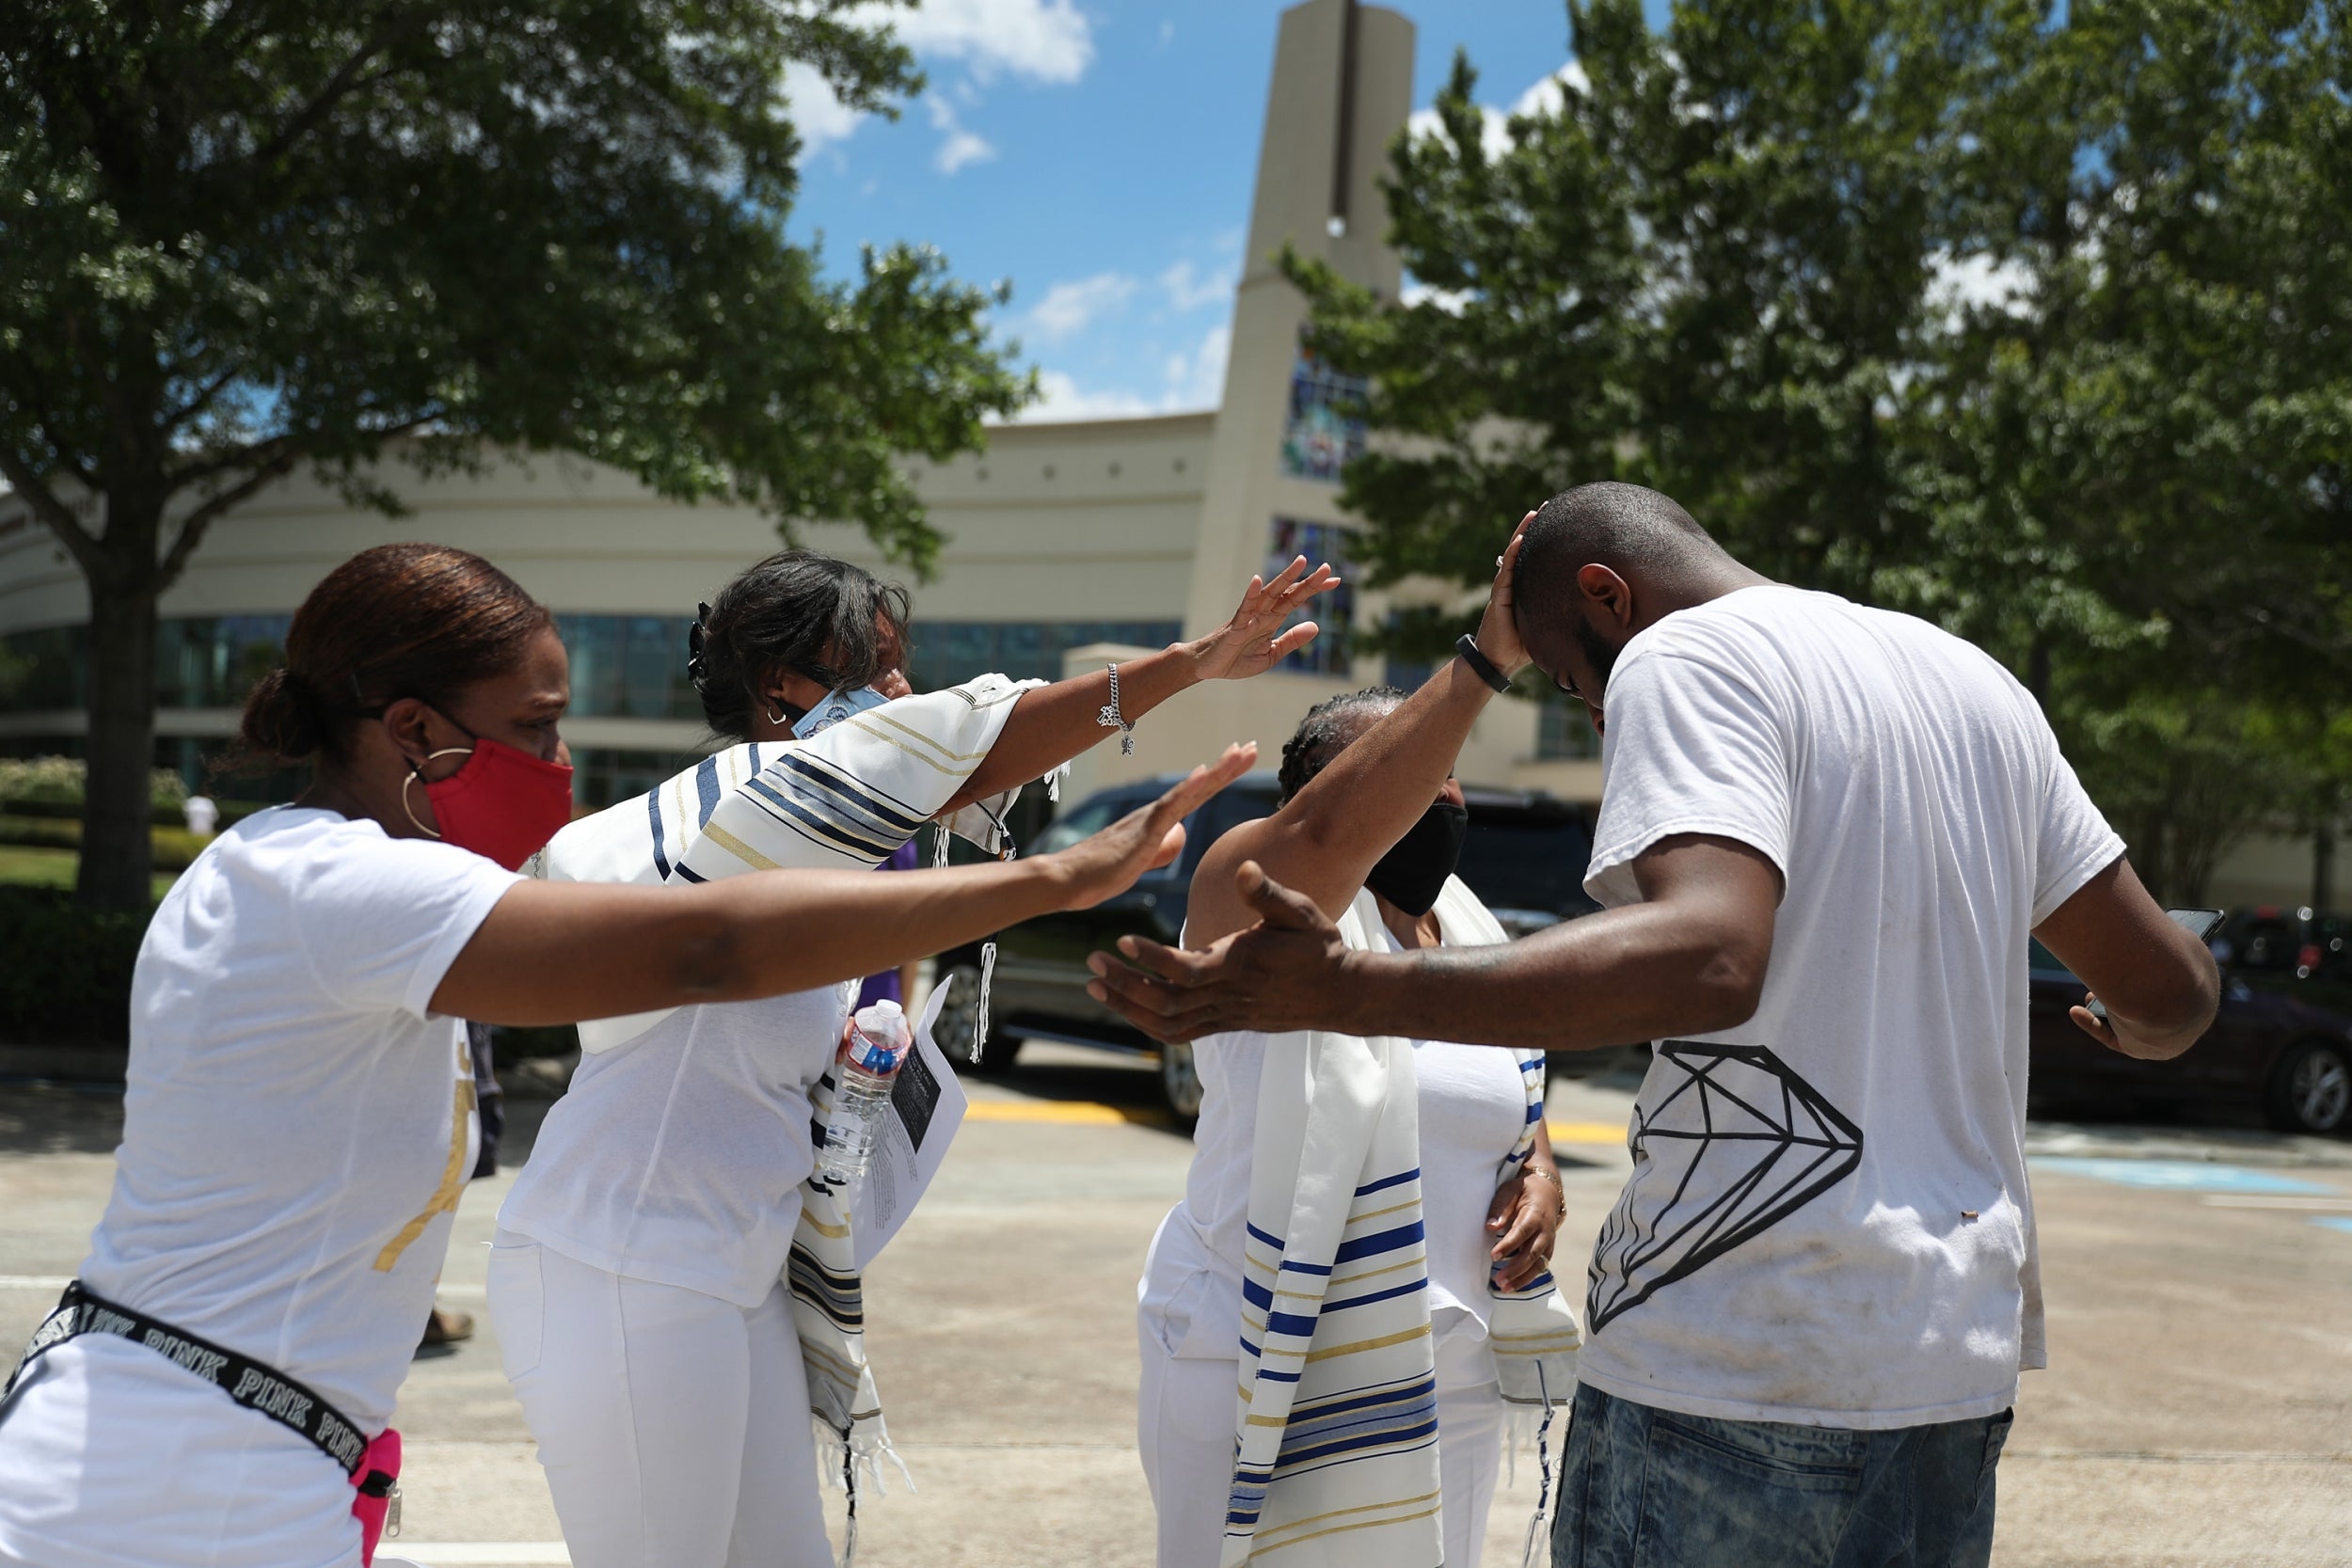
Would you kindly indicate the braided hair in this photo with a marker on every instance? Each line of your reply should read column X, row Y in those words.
column 790, row 613
column 1326, row 731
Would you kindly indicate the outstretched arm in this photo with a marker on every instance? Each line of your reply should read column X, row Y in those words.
column 1689, row 959
column 1326, row 840
column 560, row 952
column 1051, row 724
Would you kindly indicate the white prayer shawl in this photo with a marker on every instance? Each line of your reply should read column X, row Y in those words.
column 847, row 796
column 1336, row 1443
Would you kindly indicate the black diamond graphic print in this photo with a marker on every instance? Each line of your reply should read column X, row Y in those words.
column 1739, row 1143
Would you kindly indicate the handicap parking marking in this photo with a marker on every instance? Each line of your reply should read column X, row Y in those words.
column 2334, row 1221
column 2180, row 1175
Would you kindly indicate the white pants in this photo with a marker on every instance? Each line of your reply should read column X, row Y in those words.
column 1185, row 1426
column 673, row 1426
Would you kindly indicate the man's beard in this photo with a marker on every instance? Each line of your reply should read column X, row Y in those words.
column 1598, row 653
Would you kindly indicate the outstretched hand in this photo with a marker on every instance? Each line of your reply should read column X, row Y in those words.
column 1108, row 862
column 1254, row 640
column 1286, row 972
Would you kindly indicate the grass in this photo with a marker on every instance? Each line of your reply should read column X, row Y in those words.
column 44, row 867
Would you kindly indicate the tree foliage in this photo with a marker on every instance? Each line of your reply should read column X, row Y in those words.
column 2031, row 319
column 244, row 236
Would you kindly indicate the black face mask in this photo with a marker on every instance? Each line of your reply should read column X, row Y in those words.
column 1412, row 874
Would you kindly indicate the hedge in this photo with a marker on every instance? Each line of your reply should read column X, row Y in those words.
column 173, row 848
column 68, row 976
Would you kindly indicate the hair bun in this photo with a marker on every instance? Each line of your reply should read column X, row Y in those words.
column 281, row 720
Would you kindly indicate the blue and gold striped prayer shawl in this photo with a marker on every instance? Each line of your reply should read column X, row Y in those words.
column 1336, row 1447
column 847, row 796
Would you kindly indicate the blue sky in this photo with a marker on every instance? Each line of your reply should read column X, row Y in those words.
column 1100, row 156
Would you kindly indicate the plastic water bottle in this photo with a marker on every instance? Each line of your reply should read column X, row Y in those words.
column 877, row 1045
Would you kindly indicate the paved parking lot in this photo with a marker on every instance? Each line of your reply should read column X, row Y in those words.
column 2198, row 1410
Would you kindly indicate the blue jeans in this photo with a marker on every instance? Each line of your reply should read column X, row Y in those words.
column 1647, row 1488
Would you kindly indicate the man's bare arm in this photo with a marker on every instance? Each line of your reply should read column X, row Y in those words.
column 2160, row 985
column 1326, row 839
column 1689, row 960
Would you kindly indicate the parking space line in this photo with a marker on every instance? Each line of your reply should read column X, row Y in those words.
column 479, row 1554
column 2181, row 1175
column 35, row 1281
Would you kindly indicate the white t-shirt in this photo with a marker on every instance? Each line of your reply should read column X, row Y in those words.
column 1473, row 1103
column 1828, row 1220
column 679, row 1156
column 297, row 1126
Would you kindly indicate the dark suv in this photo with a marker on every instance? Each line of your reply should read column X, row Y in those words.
column 1525, row 857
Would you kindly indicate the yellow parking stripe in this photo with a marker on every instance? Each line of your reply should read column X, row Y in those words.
column 1586, row 1133
column 1086, row 1113
column 1064, row 1112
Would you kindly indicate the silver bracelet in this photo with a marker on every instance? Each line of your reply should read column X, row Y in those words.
column 1111, row 719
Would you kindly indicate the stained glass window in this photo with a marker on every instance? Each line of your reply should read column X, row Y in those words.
column 1335, row 612
column 1323, row 430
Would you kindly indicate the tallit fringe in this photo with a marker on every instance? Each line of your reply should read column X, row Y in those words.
column 840, row 1460
column 1530, row 1425
column 853, row 1463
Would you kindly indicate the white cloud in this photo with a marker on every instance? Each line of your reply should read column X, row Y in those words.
column 1039, row 40
column 1197, row 379
column 819, row 116
column 1071, row 308
column 1978, row 280
column 1417, row 293
column 1065, row 400
column 963, row 148
column 1548, row 96
column 1192, row 379
column 1189, row 288
column 1543, row 100
column 958, row 146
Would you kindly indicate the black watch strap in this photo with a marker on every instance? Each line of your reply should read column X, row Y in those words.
column 1480, row 664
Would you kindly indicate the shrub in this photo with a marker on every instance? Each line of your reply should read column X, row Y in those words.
column 58, row 781
column 68, row 976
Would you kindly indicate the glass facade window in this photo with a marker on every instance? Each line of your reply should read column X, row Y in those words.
column 213, row 662
column 1564, row 732
column 602, row 775
column 622, row 666
column 947, row 652
column 630, row 665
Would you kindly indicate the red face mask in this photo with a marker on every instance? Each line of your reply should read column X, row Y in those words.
column 503, row 804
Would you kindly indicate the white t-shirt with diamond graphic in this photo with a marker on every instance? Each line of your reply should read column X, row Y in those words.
column 1828, row 1220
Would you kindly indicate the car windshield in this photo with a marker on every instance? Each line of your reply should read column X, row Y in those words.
column 1524, row 860
column 2041, row 960
column 1092, row 817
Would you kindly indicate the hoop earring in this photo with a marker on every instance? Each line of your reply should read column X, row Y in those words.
column 415, row 772
column 776, row 717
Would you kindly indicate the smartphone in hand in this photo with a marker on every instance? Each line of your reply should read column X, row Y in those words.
column 2200, row 924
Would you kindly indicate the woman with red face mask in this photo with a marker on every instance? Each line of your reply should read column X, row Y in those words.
column 215, row 1387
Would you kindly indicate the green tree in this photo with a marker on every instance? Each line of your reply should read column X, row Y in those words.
column 243, row 238
column 2032, row 320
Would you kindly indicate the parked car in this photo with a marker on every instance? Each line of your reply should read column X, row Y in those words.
column 2273, row 1051
column 1525, row 856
